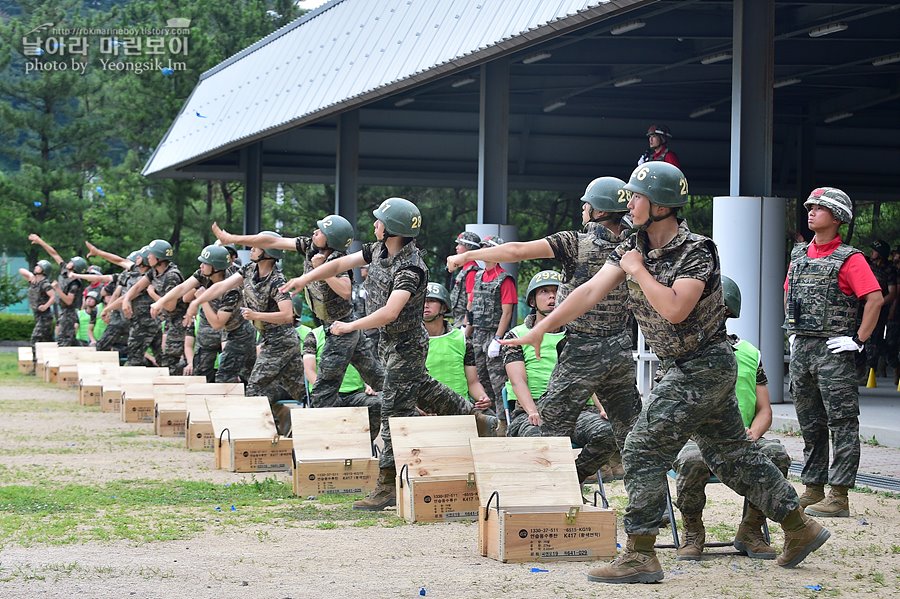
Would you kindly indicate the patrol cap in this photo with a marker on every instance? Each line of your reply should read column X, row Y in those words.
column 881, row 246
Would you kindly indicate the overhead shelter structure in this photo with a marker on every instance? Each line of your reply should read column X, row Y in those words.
column 766, row 99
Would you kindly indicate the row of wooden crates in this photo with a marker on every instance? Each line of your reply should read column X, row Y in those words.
column 523, row 492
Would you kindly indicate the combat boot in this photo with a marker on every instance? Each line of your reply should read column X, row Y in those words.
column 501, row 427
column 836, row 505
column 749, row 539
column 637, row 563
column 694, row 538
column 802, row 536
column 484, row 424
column 812, row 494
column 383, row 495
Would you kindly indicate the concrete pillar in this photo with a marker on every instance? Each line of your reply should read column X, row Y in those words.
column 493, row 142
column 347, row 175
column 253, row 181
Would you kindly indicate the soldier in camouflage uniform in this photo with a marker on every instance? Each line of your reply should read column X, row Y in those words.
column 528, row 379
column 329, row 301
column 693, row 473
column 115, row 336
column 144, row 331
column 596, row 357
column 826, row 280
column 675, row 293
column 398, row 278
column 162, row 277
column 494, row 303
column 464, row 282
column 40, row 299
column 878, row 347
column 279, row 363
column 68, row 291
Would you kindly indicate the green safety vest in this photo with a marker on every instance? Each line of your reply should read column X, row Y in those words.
column 351, row 382
column 537, row 371
column 446, row 360
column 747, row 357
column 84, row 322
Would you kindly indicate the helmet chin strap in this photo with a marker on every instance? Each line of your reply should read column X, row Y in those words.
column 544, row 312
column 435, row 317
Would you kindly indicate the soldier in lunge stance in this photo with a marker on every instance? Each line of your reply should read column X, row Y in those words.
column 68, row 290
column 40, row 299
column 675, row 292
column 397, row 283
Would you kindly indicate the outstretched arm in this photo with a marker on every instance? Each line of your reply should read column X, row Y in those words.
column 508, row 252
column 26, row 274
column 108, row 256
column 34, row 238
column 326, row 271
column 257, row 241
column 377, row 319
column 168, row 301
column 92, row 278
column 215, row 290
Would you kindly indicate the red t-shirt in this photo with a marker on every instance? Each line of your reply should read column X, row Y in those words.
column 470, row 279
column 508, row 293
column 671, row 157
column 854, row 278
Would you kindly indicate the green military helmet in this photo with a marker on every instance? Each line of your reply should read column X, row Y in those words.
column 45, row 267
column 93, row 294
column 337, row 230
column 232, row 249
column 545, row 278
column 732, row 295
column 272, row 252
column 161, row 249
column 660, row 181
column 214, row 255
column 79, row 265
column 133, row 256
column 143, row 254
column 400, row 217
column 438, row 292
column 470, row 239
column 834, row 199
column 606, row 194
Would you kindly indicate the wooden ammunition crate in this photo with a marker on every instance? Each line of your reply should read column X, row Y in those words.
column 170, row 407
column 42, row 352
column 26, row 360
column 531, row 505
column 137, row 403
column 198, row 425
column 332, row 451
column 435, row 473
column 245, row 436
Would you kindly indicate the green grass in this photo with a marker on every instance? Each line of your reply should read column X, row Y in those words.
column 9, row 368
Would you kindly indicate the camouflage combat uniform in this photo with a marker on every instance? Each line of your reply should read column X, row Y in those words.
column 279, row 363
column 404, row 342
column 693, row 473
column 115, row 337
column 592, row 433
column 237, row 341
column 486, row 314
column 208, row 346
column 145, row 332
column 458, row 296
column 173, row 350
column 596, row 357
column 38, row 295
column 340, row 350
column 696, row 396
column 823, row 384
column 878, row 346
column 352, row 392
column 67, row 318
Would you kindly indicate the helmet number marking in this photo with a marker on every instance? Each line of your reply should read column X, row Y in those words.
column 682, row 186
column 642, row 174
column 623, row 196
column 327, row 222
column 416, row 222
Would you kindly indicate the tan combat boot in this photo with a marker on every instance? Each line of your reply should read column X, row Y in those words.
column 694, row 538
column 812, row 494
column 836, row 505
column 637, row 563
column 802, row 536
column 749, row 539
column 383, row 495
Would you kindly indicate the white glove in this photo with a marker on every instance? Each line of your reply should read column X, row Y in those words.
column 843, row 343
column 494, row 349
column 791, row 344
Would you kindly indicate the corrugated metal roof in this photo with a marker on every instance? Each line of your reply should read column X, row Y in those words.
column 348, row 52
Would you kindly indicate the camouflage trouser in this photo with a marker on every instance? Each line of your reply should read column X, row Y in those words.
column 360, row 399
column 590, row 364
column 823, row 387
column 593, row 434
column 491, row 371
column 67, row 326
column 42, row 331
column 693, row 473
column 892, row 344
column 279, row 364
column 877, row 345
column 695, row 399
column 338, row 351
column 209, row 344
column 144, row 333
column 115, row 337
column 406, row 383
column 238, row 356
column 173, row 350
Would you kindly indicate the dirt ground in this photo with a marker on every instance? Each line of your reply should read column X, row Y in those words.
column 46, row 438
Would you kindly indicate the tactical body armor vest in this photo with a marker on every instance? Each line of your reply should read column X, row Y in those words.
column 607, row 317
column 486, row 307
column 380, row 284
column 323, row 302
column 257, row 294
column 816, row 306
column 38, row 295
column 458, row 298
column 706, row 322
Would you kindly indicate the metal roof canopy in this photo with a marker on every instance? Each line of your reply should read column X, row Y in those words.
column 431, row 138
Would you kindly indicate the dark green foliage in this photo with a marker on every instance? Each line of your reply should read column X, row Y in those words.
column 16, row 327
